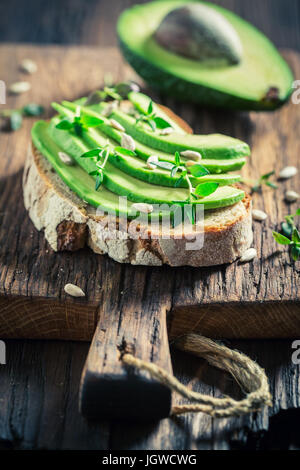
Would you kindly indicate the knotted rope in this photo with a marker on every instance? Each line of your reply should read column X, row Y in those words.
column 249, row 375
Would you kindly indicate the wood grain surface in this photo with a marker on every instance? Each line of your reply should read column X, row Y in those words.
column 255, row 300
column 39, row 384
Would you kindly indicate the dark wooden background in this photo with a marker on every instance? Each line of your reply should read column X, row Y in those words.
column 39, row 384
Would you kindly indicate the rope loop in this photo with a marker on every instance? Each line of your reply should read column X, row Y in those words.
column 250, row 376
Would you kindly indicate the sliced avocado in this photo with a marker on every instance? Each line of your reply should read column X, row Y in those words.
column 215, row 166
column 215, row 146
column 261, row 80
column 136, row 190
column 74, row 176
column 210, row 146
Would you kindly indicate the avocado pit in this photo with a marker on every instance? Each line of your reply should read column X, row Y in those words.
column 197, row 32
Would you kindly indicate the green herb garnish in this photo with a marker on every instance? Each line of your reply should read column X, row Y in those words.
column 202, row 190
column 79, row 123
column 154, row 121
column 256, row 186
column 101, row 155
column 290, row 235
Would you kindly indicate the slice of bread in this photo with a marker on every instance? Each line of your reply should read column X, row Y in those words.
column 69, row 224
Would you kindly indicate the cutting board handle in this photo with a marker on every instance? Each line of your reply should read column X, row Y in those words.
column 108, row 388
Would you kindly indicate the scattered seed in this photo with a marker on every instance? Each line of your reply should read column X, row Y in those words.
column 249, row 255
column 19, row 87
column 110, row 108
column 127, row 142
column 143, row 207
column 74, row 291
column 288, row 172
column 28, row 66
column 167, row 131
column 116, row 125
column 65, row 158
column 196, row 156
column 151, row 162
column 292, row 196
column 259, row 215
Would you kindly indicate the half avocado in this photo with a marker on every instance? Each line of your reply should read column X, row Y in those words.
column 211, row 56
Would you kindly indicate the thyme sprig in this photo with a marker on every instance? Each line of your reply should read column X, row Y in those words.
column 256, row 185
column 79, row 123
column 151, row 118
column 290, row 235
column 197, row 170
column 101, row 154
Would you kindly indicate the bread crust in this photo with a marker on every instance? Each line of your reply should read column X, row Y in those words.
column 69, row 223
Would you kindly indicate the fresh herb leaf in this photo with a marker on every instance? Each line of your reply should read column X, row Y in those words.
column 296, row 237
column 174, row 171
column 94, row 173
column 91, row 153
column 179, row 181
column 267, row 176
column 177, row 159
column 205, row 189
column 271, row 185
column 287, row 229
column 199, row 170
column 150, row 108
column 123, row 151
column 99, row 180
column 91, row 121
column 281, row 239
column 65, row 124
column 161, row 123
column 295, row 252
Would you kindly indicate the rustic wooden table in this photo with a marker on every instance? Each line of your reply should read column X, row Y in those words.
column 39, row 384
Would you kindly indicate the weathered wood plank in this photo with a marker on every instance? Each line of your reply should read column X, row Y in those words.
column 30, row 269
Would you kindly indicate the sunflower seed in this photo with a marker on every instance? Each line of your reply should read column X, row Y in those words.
column 74, row 291
column 28, row 66
column 196, row 156
column 143, row 207
column 288, row 172
column 19, row 87
column 249, row 255
column 127, row 142
column 259, row 215
column 151, row 162
column 292, row 196
column 167, row 131
column 116, row 125
column 110, row 108
column 65, row 158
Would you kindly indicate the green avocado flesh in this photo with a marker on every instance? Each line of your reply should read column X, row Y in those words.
column 129, row 175
column 262, row 80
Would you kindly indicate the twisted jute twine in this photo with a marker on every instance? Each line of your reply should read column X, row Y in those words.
column 249, row 375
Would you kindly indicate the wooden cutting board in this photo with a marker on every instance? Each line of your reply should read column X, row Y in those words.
column 256, row 300
column 259, row 299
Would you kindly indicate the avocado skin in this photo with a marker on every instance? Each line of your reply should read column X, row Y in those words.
column 184, row 90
